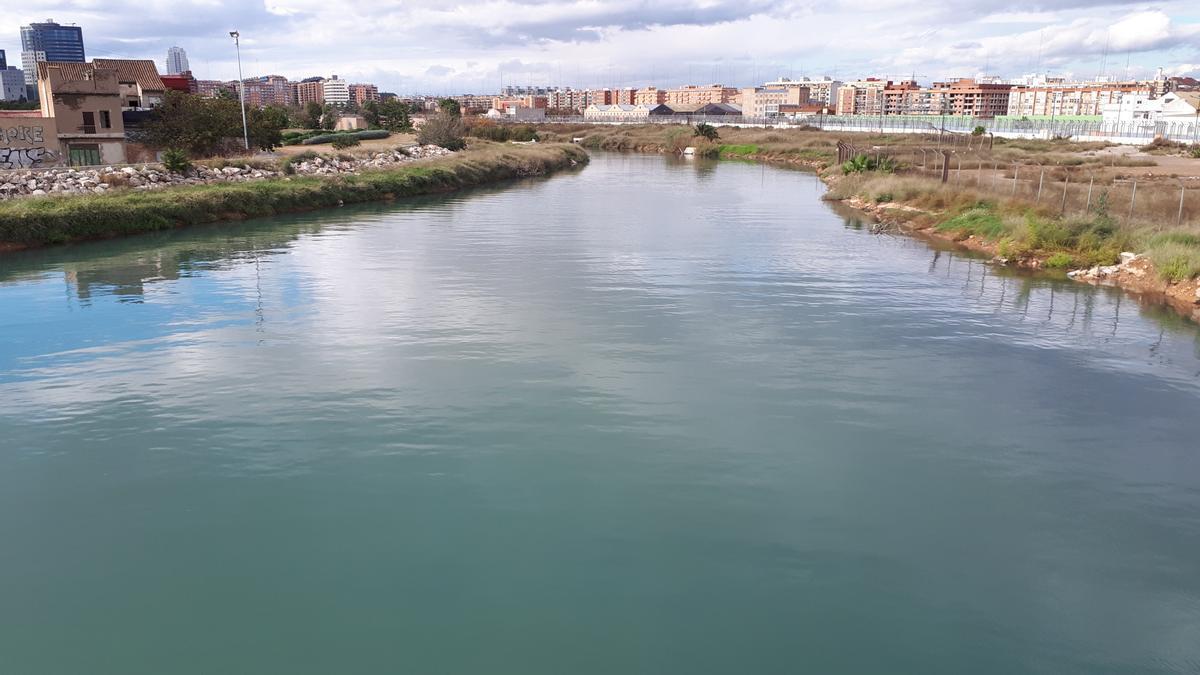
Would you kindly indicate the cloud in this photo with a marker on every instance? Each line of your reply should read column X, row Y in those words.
column 439, row 47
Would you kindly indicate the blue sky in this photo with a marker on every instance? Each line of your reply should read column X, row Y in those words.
column 472, row 45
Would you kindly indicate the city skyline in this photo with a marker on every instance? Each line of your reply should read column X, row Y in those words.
column 478, row 46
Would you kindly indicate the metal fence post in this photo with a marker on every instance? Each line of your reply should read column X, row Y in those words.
column 1041, row 180
column 1179, row 217
column 1091, row 183
column 1066, row 184
column 1132, row 199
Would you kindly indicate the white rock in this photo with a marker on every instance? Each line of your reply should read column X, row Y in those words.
column 1127, row 257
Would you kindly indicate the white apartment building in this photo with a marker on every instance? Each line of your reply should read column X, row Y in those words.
column 616, row 111
column 177, row 61
column 29, row 61
column 337, row 91
column 820, row 90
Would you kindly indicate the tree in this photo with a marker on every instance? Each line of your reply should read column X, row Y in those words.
column 278, row 117
column 329, row 117
column 445, row 130
column 312, row 115
column 707, row 132
column 450, row 107
column 202, row 127
column 393, row 115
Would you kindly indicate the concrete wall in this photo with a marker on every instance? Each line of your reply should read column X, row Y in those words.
column 29, row 143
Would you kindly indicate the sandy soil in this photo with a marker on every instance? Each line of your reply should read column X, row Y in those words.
column 375, row 145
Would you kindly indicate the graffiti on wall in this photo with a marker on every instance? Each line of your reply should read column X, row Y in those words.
column 25, row 158
column 23, row 147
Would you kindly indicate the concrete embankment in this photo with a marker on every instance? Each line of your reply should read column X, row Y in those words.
column 56, row 219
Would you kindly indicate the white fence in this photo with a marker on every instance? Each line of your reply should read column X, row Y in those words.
column 1134, row 133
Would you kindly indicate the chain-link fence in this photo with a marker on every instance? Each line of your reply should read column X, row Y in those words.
column 1124, row 193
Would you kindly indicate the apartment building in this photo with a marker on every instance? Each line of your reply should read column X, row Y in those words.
column 766, row 101
column 311, row 90
column 965, row 97
column 363, row 93
column 820, row 90
column 470, row 102
column 625, row 96
column 336, row 91
column 861, row 97
column 210, row 88
column 650, row 96
column 1072, row 98
column 693, row 95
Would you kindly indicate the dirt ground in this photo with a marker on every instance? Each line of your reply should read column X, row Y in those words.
column 373, row 145
column 1184, row 167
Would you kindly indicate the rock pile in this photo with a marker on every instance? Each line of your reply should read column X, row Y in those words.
column 99, row 180
column 1131, row 263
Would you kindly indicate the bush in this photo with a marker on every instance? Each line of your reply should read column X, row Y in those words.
column 444, row 130
column 978, row 131
column 1059, row 261
column 176, row 161
column 864, row 163
column 706, row 131
column 1195, row 151
column 346, row 141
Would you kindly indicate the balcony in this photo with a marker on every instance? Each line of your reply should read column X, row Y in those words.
column 88, row 128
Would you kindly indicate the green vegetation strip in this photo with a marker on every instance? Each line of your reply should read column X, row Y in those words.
column 60, row 219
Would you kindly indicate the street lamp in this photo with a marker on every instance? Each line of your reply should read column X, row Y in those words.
column 237, row 43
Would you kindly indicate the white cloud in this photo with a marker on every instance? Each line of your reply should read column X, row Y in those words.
column 470, row 44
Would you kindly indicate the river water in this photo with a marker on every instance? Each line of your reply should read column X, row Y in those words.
column 648, row 417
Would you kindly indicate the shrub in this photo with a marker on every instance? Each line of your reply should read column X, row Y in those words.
column 1059, row 261
column 706, row 131
column 373, row 134
column 176, row 161
column 346, row 141
column 1195, row 151
column 978, row 131
column 444, row 129
column 864, row 163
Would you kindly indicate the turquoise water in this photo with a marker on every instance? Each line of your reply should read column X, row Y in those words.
column 649, row 417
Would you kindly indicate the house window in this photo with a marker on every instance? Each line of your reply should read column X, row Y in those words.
column 105, row 120
column 85, row 155
column 89, row 122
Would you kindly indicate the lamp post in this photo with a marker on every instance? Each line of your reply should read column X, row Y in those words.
column 237, row 43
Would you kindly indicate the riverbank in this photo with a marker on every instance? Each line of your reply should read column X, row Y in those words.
column 1013, row 227
column 58, row 219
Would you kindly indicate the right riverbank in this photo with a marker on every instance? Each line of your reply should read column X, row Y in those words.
column 47, row 220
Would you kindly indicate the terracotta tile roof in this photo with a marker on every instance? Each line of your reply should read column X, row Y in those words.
column 142, row 72
column 71, row 71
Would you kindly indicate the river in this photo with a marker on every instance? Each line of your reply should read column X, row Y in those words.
column 647, row 417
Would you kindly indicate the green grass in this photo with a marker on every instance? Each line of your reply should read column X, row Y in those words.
column 981, row 220
column 1176, row 255
column 60, row 219
column 739, row 150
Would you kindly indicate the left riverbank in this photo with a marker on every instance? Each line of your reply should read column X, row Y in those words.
column 42, row 221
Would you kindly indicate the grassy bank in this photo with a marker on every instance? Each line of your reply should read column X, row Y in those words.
column 1029, row 233
column 60, row 219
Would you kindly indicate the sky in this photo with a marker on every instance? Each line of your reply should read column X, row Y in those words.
column 449, row 47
